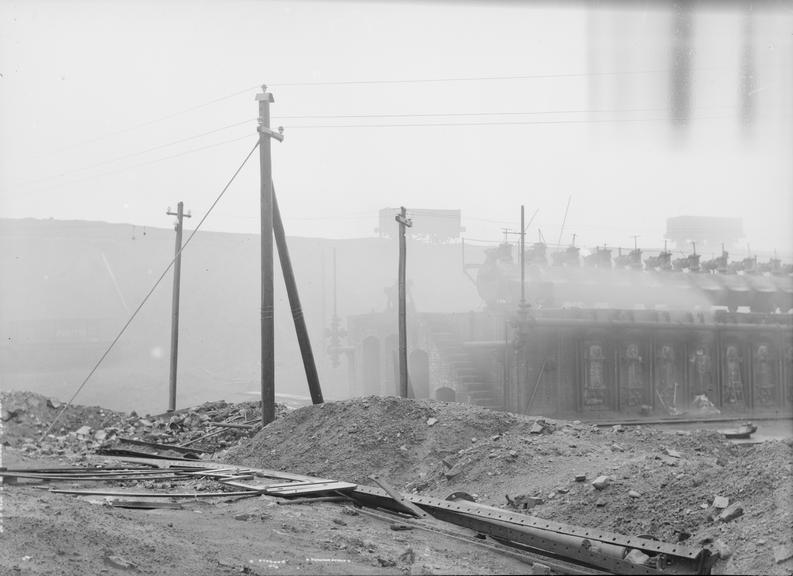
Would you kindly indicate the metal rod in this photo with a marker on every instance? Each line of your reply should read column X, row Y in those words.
column 297, row 311
column 267, row 295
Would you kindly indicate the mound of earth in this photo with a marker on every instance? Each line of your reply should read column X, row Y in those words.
column 659, row 483
column 397, row 438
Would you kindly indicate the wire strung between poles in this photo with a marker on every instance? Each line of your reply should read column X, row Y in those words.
column 150, row 292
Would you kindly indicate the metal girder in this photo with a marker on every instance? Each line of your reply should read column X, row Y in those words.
column 644, row 544
column 591, row 546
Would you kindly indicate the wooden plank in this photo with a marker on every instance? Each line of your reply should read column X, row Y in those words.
column 151, row 494
column 403, row 502
column 310, row 488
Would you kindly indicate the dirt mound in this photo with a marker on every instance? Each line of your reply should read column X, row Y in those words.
column 660, row 483
column 353, row 439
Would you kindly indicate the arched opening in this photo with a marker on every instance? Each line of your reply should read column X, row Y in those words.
column 419, row 374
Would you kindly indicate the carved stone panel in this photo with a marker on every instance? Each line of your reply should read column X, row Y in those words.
column 668, row 382
column 701, row 371
column 732, row 393
column 595, row 394
column 634, row 383
column 765, row 381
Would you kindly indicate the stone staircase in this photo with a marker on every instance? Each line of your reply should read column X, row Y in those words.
column 460, row 368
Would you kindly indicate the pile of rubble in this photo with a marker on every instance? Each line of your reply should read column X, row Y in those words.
column 207, row 428
column 678, row 485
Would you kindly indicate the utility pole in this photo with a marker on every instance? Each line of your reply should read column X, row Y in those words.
column 404, row 222
column 522, row 260
column 177, row 273
column 267, row 299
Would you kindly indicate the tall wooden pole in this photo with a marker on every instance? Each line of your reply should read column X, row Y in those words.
column 177, row 273
column 267, row 304
column 403, row 345
column 522, row 258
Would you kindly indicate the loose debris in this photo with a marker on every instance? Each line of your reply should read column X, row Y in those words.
column 664, row 485
column 204, row 429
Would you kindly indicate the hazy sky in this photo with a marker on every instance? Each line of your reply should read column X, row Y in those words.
column 116, row 110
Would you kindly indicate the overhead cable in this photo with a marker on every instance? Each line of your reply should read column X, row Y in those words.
column 149, row 293
column 140, row 152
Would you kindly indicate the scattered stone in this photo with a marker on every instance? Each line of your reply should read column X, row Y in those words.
column 408, row 556
column 473, row 440
column 601, row 482
column 119, row 562
column 600, row 502
column 339, row 521
column 634, row 494
column 524, row 501
column 83, row 431
column 617, row 448
column 618, row 428
column 536, row 428
column 457, row 468
column 495, row 437
column 541, row 569
column 721, row 548
column 243, row 516
column 385, row 562
column 513, row 454
column 782, row 553
column 721, row 502
column 563, row 490
column 431, row 421
column 401, row 527
column 580, row 478
column 637, row 557
column 731, row 512
column 672, row 453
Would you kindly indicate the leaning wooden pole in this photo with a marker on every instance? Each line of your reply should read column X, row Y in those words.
column 294, row 302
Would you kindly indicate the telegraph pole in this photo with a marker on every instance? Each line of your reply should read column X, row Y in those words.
column 177, row 273
column 404, row 222
column 522, row 260
column 267, row 304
